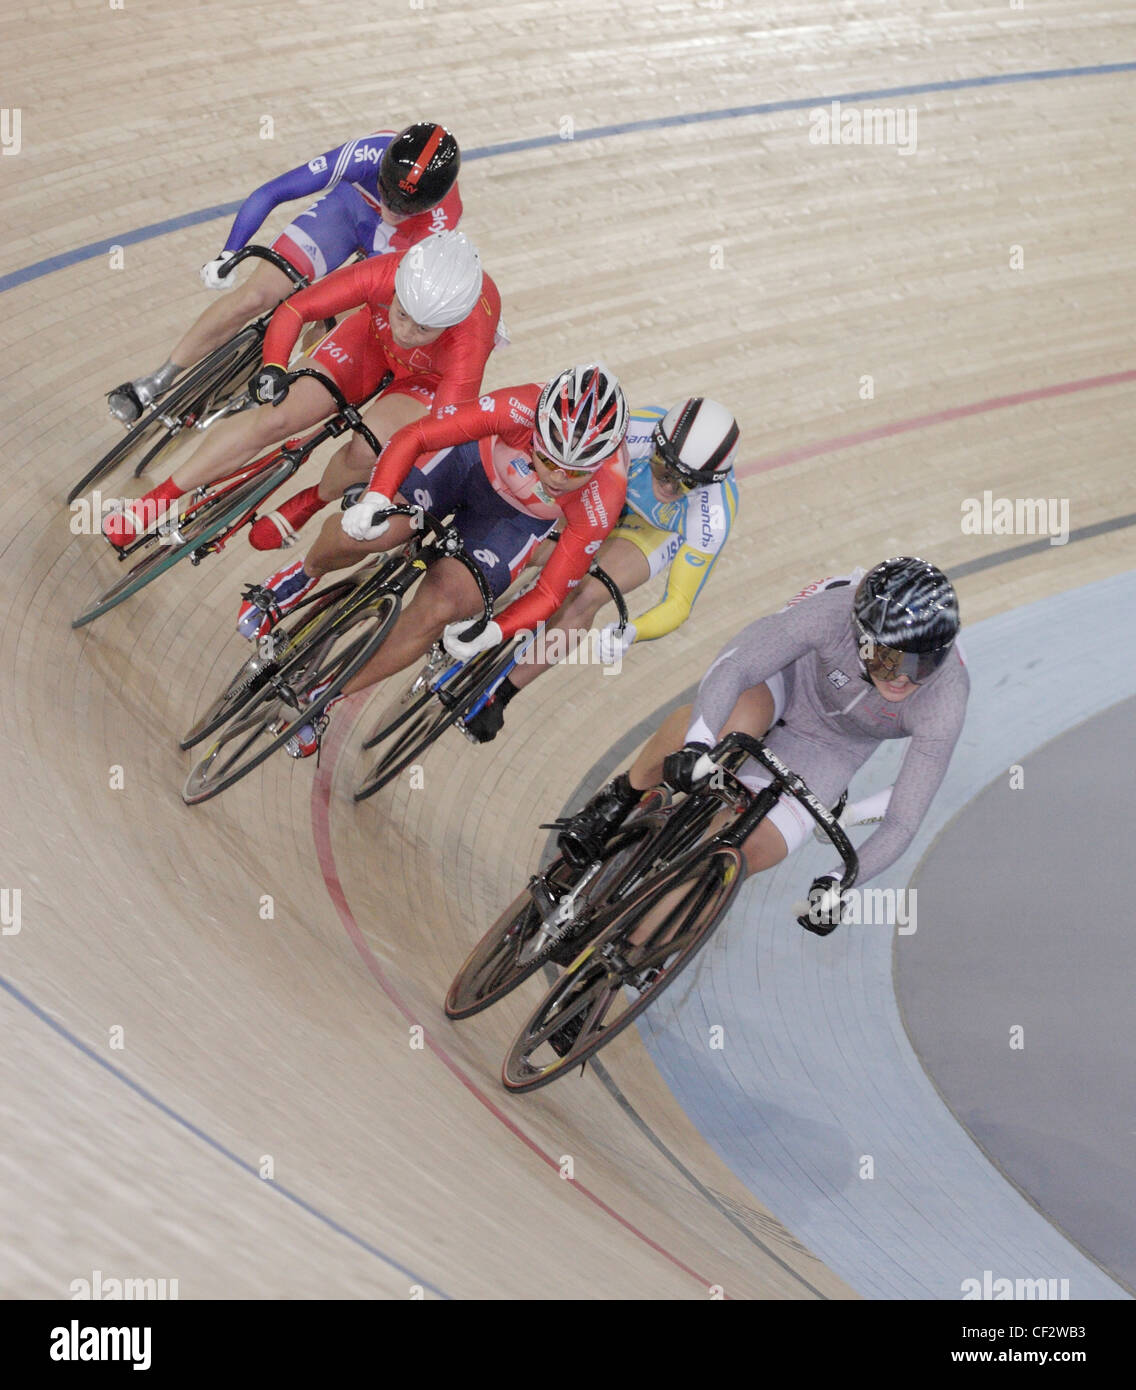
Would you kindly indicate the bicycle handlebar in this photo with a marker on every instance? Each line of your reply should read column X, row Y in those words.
column 452, row 548
column 784, row 779
column 264, row 253
column 616, row 594
column 349, row 412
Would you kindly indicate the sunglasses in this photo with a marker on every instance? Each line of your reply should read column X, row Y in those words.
column 554, row 467
column 670, row 475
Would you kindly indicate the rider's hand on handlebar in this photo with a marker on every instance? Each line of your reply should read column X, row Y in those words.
column 269, row 386
column 692, row 763
column 614, row 641
column 211, row 273
column 825, row 906
column 463, row 651
column 358, row 521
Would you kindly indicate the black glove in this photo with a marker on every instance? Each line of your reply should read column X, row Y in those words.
column 678, row 768
column 269, row 386
column 818, row 919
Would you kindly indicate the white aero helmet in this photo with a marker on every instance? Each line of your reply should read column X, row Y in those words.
column 438, row 281
column 698, row 440
column 581, row 417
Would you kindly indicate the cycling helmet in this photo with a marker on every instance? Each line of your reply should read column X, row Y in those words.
column 906, row 618
column 697, row 440
column 438, row 281
column 418, row 168
column 581, row 418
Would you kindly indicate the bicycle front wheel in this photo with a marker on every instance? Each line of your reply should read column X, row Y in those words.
column 411, row 727
column 604, row 991
column 339, row 650
column 509, row 952
column 264, row 664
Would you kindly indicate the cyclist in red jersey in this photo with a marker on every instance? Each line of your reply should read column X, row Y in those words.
column 430, row 316
column 510, row 467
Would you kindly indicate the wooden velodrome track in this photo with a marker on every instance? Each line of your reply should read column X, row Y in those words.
column 730, row 257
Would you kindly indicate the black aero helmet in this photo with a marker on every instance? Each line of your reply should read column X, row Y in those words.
column 906, row 616
column 418, row 168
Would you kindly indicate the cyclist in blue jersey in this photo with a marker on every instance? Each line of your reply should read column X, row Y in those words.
column 384, row 192
column 681, row 503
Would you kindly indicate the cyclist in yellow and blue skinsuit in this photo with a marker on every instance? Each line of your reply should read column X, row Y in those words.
column 682, row 500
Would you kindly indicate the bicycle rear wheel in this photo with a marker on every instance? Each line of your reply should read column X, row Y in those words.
column 215, row 515
column 591, row 998
column 338, row 649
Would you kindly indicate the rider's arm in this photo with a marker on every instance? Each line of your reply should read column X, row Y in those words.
column 766, row 646
column 590, row 515
column 322, row 172
column 464, row 422
column 345, row 288
column 688, row 572
column 924, row 767
column 707, row 518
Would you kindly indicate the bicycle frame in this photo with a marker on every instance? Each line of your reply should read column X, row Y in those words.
column 296, row 453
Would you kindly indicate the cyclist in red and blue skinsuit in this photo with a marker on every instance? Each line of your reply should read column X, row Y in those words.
column 509, row 467
column 383, row 192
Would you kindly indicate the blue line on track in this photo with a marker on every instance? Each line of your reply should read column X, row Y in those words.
column 536, row 142
column 215, row 1144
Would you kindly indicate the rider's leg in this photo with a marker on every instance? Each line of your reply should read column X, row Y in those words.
column 354, row 462
column 263, row 290
column 233, row 442
column 265, row 287
column 445, row 593
column 589, row 828
column 265, row 604
column 753, row 714
column 321, row 238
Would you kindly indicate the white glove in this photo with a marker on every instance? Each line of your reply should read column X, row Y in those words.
column 356, row 520
column 463, row 651
column 210, row 273
column 613, row 643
